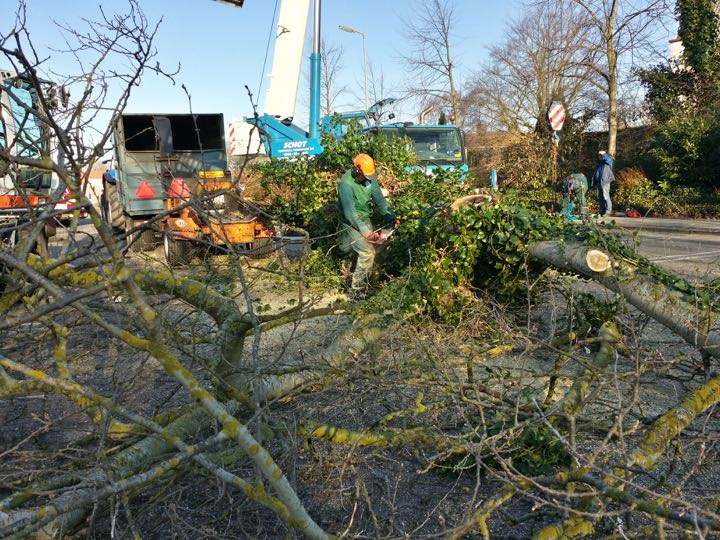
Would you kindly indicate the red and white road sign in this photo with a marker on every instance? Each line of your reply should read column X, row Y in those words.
column 556, row 115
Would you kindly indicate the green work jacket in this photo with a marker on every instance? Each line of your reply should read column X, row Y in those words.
column 354, row 203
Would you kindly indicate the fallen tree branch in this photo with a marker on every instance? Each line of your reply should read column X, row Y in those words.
column 697, row 326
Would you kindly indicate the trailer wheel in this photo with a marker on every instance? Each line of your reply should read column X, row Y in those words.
column 111, row 207
column 262, row 247
column 177, row 252
column 142, row 240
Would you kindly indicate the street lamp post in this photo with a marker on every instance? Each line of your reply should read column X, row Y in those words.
column 352, row 30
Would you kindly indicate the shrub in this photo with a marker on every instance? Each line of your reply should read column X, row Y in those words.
column 633, row 188
column 686, row 150
column 526, row 165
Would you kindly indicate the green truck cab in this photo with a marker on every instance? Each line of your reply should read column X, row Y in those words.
column 28, row 190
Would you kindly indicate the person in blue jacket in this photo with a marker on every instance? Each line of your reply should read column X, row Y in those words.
column 601, row 181
column 356, row 189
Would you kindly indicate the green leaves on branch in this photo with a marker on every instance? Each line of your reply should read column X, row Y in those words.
column 484, row 247
column 684, row 100
column 302, row 192
column 393, row 155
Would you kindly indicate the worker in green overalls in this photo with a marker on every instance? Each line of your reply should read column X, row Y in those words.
column 574, row 188
column 356, row 188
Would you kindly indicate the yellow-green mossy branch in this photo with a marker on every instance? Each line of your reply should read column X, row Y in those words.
column 339, row 435
column 480, row 517
column 672, row 423
column 609, row 338
column 575, row 527
column 699, row 327
column 157, row 281
column 130, row 460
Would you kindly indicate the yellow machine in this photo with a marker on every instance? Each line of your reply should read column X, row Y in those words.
column 197, row 216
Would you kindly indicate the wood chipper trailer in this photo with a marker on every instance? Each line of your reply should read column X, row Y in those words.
column 166, row 169
column 195, row 217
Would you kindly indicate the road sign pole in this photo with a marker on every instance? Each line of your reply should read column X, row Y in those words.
column 555, row 118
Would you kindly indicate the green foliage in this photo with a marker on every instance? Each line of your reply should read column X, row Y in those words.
column 686, row 149
column 593, row 311
column 698, row 30
column 319, row 264
column 694, row 86
column 489, row 244
column 303, row 192
column 533, row 450
column 684, row 101
column 421, row 198
column 296, row 189
column 392, row 154
column 665, row 87
column 445, row 255
column 439, row 259
column 538, row 451
column 477, row 248
column 634, row 189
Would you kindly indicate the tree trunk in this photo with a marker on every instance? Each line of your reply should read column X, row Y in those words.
column 612, row 102
column 612, row 59
column 699, row 327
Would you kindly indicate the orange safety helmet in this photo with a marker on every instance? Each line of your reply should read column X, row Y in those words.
column 365, row 165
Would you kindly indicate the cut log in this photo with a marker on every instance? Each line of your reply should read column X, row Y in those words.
column 591, row 262
column 470, row 200
column 699, row 327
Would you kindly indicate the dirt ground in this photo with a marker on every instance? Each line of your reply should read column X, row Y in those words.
column 435, row 382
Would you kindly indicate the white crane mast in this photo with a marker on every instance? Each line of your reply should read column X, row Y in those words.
column 287, row 59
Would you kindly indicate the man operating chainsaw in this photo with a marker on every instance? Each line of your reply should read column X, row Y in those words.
column 356, row 189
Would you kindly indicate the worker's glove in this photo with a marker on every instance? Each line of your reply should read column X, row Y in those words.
column 373, row 237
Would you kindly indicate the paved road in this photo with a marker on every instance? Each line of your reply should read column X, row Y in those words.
column 686, row 247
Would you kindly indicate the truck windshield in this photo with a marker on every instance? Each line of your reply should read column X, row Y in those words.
column 20, row 117
column 30, row 141
column 432, row 145
column 436, row 144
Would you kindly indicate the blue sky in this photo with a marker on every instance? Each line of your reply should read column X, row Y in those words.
column 221, row 48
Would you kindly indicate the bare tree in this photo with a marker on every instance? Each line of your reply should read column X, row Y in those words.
column 112, row 53
column 431, row 63
column 332, row 59
column 623, row 31
column 538, row 61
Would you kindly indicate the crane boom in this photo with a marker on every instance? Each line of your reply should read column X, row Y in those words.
column 281, row 138
column 287, row 59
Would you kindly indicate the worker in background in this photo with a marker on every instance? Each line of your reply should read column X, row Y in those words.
column 602, row 179
column 574, row 188
column 356, row 189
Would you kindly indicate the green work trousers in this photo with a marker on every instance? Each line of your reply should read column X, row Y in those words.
column 352, row 241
